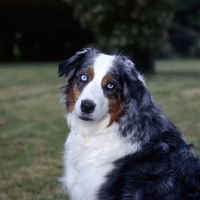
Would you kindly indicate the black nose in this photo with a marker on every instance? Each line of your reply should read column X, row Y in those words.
column 87, row 106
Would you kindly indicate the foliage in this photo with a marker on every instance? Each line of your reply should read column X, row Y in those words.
column 131, row 25
column 45, row 30
column 138, row 23
column 185, row 28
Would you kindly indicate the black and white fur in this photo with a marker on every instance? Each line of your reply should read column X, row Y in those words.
column 132, row 154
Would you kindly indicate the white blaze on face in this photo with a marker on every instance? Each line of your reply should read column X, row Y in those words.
column 93, row 91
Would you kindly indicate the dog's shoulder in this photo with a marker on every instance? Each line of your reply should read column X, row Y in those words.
column 164, row 169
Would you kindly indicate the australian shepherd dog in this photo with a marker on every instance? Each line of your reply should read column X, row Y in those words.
column 121, row 146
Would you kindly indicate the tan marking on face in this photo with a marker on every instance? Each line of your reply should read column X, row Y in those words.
column 106, row 80
column 116, row 109
column 74, row 92
column 90, row 72
column 73, row 96
column 116, row 104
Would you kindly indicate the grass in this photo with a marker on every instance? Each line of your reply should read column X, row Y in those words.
column 33, row 129
column 176, row 88
column 32, row 132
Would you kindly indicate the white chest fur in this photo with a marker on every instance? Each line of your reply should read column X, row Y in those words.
column 89, row 154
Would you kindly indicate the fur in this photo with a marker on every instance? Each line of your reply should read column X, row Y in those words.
column 121, row 146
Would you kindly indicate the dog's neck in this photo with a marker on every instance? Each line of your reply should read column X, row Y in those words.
column 91, row 149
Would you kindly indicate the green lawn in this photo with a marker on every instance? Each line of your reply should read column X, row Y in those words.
column 33, row 129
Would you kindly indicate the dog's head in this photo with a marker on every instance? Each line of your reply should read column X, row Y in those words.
column 99, row 85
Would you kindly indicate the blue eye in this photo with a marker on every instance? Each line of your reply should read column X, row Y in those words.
column 110, row 86
column 84, row 78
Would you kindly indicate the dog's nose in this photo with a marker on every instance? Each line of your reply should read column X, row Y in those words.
column 87, row 106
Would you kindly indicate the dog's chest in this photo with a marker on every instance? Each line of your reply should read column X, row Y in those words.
column 86, row 170
column 88, row 160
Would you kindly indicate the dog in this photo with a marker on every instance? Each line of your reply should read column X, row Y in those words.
column 121, row 146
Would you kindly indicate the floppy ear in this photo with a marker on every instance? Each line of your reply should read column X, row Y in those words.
column 69, row 65
column 134, row 87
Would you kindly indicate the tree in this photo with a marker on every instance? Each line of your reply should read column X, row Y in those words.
column 137, row 27
column 184, row 31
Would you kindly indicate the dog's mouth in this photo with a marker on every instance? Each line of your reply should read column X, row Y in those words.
column 85, row 118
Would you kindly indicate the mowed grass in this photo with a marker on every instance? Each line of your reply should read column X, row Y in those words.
column 33, row 129
column 32, row 132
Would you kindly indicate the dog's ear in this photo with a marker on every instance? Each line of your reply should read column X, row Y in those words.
column 70, row 65
column 133, row 83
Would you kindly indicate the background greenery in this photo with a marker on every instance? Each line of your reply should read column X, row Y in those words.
column 46, row 30
column 137, row 27
column 33, row 129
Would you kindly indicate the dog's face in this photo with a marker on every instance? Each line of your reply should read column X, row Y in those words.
column 97, row 85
